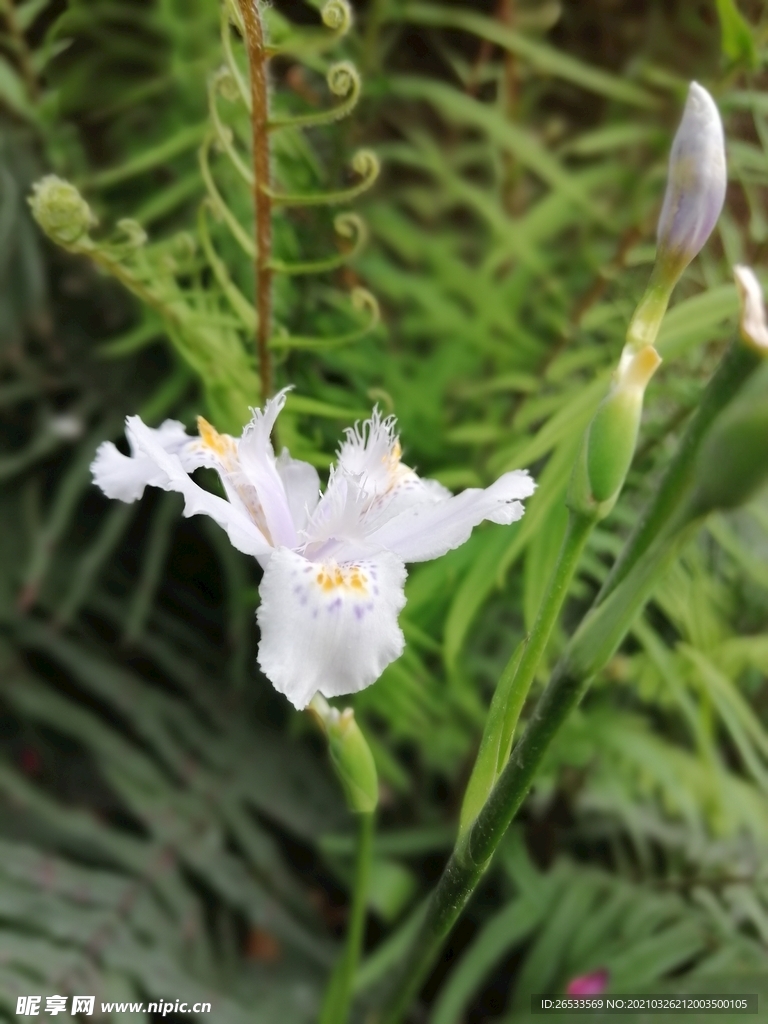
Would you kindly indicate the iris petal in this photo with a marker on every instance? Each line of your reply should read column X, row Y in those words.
column 428, row 530
column 170, row 475
column 328, row 627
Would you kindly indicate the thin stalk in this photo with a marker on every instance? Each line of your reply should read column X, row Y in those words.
column 376, row 13
column 338, row 995
column 735, row 367
column 592, row 645
column 578, row 530
column 257, row 60
column 516, row 680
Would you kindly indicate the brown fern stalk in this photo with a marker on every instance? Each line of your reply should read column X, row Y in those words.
column 257, row 59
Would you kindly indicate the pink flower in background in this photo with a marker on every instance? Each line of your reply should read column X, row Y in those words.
column 591, row 984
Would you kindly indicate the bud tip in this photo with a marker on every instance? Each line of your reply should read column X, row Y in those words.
column 60, row 210
column 696, row 183
column 752, row 322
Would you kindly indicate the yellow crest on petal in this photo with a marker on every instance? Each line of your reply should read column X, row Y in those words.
column 342, row 577
column 222, row 445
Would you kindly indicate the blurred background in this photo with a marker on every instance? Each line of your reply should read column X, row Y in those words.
column 168, row 824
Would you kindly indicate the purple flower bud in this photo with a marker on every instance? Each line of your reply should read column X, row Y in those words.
column 695, row 185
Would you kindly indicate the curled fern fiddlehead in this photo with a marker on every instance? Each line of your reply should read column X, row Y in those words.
column 343, row 81
column 365, row 163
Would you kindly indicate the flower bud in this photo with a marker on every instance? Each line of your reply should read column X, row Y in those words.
column 60, row 210
column 695, row 193
column 350, row 755
column 695, row 184
column 609, row 442
column 752, row 319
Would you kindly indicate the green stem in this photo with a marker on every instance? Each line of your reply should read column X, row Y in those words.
column 735, row 367
column 579, row 529
column 520, row 672
column 666, row 526
column 338, row 995
column 375, row 18
column 646, row 320
column 592, row 645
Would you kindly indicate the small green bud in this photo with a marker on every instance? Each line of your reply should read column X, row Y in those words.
column 60, row 210
column 134, row 235
column 610, row 439
column 351, row 756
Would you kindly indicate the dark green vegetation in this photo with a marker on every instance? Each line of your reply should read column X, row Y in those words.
column 167, row 826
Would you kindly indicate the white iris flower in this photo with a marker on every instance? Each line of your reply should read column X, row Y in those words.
column 334, row 563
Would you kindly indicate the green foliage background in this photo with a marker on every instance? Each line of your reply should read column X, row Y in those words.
column 167, row 828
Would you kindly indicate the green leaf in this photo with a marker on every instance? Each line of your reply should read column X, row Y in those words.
column 540, row 559
column 523, row 144
column 28, row 12
column 505, row 929
column 698, row 320
column 545, row 59
column 183, row 140
column 542, row 967
column 473, row 591
column 494, row 750
column 737, row 40
column 13, row 92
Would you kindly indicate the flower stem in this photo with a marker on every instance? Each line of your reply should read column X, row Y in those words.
column 735, row 367
column 257, row 59
column 376, row 14
column 516, row 680
column 338, row 995
column 592, row 645
column 663, row 530
column 577, row 532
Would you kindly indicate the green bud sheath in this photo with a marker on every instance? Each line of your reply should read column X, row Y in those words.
column 609, row 443
column 354, row 764
column 351, row 756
